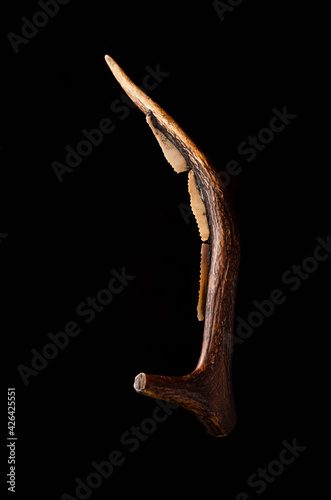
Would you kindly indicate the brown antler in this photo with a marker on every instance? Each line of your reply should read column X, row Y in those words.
column 207, row 391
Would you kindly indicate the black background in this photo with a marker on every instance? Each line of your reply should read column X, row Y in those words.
column 120, row 208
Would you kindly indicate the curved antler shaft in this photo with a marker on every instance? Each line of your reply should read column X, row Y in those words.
column 207, row 391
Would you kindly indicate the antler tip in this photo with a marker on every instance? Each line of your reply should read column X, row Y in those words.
column 109, row 60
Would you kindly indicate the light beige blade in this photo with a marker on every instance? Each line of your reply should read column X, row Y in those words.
column 171, row 153
column 198, row 207
column 203, row 281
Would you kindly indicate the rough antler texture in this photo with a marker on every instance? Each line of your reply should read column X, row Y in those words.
column 207, row 391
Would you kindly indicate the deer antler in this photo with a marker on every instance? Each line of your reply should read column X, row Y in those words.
column 207, row 391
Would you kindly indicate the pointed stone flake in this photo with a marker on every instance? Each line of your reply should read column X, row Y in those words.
column 203, row 281
column 171, row 153
column 198, row 207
